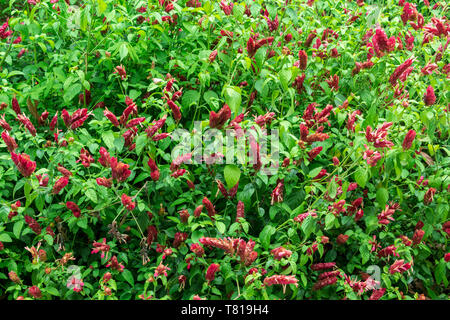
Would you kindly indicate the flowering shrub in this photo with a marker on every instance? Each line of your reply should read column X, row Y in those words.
column 96, row 203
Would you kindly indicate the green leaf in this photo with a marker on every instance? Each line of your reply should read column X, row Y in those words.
column 232, row 174
column 18, row 228
column 439, row 272
column 71, row 92
column 314, row 172
column 119, row 143
column 123, row 51
column 361, row 177
column 82, row 223
column 329, row 221
column 141, row 142
column 53, row 291
column 101, row 7
column 285, row 77
column 308, row 226
column 382, row 197
column 128, row 276
column 40, row 201
column 92, row 195
column 190, row 97
column 108, row 139
column 49, row 239
column 233, row 99
column 332, row 189
column 197, row 234
column 4, row 237
column 265, row 235
column 221, row 227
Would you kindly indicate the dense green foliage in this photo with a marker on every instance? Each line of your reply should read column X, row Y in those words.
column 358, row 91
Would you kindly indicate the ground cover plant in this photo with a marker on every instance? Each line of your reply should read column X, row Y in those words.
column 349, row 202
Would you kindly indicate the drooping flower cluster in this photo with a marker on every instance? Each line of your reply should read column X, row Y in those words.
column 23, row 163
column 233, row 246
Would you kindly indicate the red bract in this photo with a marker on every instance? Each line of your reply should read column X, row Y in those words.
column 217, row 120
column 402, row 70
column 15, row 106
column 23, row 163
column 212, row 56
column 371, row 156
column 385, row 217
column 429, row 195
column 9, row 141
column 35, row 292
column 333, row 82
column 314, row 153
column 158, row 125
column 72, row 206
column 131, row 109
column 85, row 158
column 417, row 237
column 27, row 123
column 175, row 110
column 240, row 211
column 54, row 122
column 409, row 138
column 377, row 294
column 43, row 181
column 105, row 158
column 154, row 169
column 198, row 211
column 184, row 216
column 152, row 234
column 298, row 83
column 429, row 98
column 224, row 244
column 227, row 8
column 33, row 224
column 399, row 266
column 381, row 43
column 303, row 216
column 184, row 158
column 178, row 173
column 280, row 252
column 209, row 207
column 277, row 193
column 121, row 71
column 323, row 266
column 342, row 239
column 303, row 59
column 120, row 171
column 179, row 238
column 378, row 137
column 280, row 279
column 211, row 272
column 64, row 171
column 197, row 249
column 114, row 264
column 60, row 184
column 127, row 203
column 43, row 117
column 328, row 281
column 111, row 117
column 4, row 124
column 388, row 251
column 104, row 182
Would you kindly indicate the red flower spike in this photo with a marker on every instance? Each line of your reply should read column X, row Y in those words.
column 72, row 206
column 60, row 184
column 23, row 163
column 211, row 272
column 127, row 203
